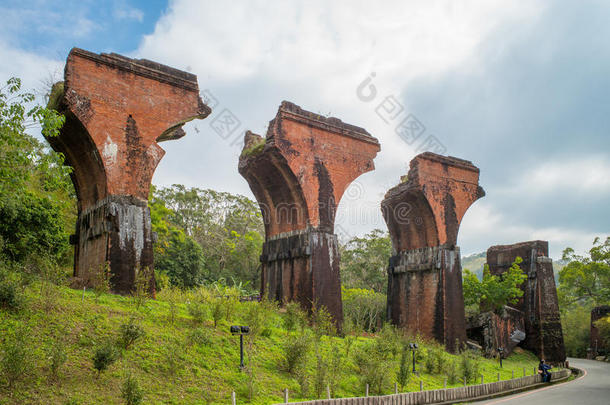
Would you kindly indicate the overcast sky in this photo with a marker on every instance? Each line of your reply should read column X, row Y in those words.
column 521, row 89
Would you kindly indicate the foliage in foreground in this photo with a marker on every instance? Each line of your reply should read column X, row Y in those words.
column 180, row 356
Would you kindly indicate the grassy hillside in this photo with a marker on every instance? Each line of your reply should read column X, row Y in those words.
column 182, row 360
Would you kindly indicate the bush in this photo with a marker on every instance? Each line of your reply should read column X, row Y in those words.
column 131, row 391
column 469, row 366
column 453, row 372
column 57, row 356
column 294, row 317
column 129, row 333
column 404, row 371
column 103, row 357
column 260, row 316
column 296, row 350
column 15, row 356
column 10, row 296
column 198, row 311
column 363, row 309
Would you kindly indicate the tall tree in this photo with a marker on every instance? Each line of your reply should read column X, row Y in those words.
column 364, row 261
column 37, row 204
column 586, row 279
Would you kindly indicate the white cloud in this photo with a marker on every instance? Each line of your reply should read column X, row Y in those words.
column 483, row 226
column 124, row 11
column 33, row 70
column 587, row 175
column 253, row 54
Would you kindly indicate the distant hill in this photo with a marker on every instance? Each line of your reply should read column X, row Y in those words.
column 475, row 262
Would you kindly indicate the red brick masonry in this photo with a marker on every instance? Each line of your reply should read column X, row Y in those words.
column 423, row 215
column 539, row 303
column 298, row 174
column 117, row 110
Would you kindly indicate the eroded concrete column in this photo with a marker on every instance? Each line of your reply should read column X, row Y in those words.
column 543, row 334
column 117, row 110
column 423, row 215
column 298, row 174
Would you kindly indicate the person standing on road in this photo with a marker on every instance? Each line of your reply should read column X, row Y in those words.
column 543, row 369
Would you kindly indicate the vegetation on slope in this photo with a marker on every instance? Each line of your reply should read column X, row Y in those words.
column 179, row 355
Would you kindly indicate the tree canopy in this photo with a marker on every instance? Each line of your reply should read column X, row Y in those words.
column 492, row 292
column 586, row 279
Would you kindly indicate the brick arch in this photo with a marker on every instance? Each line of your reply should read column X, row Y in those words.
column 88, row 174
column 274, row 186
column 298, row 173
column 424, row 273
column 117, row 109
column 410, row 220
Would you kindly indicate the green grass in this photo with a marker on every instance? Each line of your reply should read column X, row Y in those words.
column 180, row 362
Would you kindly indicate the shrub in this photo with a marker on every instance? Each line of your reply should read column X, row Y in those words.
column 10, row 296
column 296, row 350
column 322, row 322
column 469, row 366
column 103, row 357
column 374, row 366
column 198, row 311
column 131, row 391
column 294, row 317
column 404, row 371
column 57, row 356
column 15, row 356
column 453, row 372
column 260, row 317
column 100, row 281
column 129, row 333
column 363, row 309
column 142, row 285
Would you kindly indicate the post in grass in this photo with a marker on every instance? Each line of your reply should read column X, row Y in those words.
column 285, row 395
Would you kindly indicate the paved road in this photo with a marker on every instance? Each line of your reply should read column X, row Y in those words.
column 593, row 388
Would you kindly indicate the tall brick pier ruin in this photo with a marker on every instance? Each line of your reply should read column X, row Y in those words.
column 298, row 174
column 597, row 345
column 539, row 304
column 423, row 215
column 117, row 110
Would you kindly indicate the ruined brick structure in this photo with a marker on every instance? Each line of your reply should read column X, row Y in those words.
column 539, row 303
column 298, row 174
column 492, row 330
column 423, row 215
column 597, row 345
column 117, row 109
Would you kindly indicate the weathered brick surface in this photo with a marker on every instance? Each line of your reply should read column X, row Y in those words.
column 298, row 174
column 597, row 344
column 492, row 330
column 423, row 215
column 117, row 110
column 539, row 302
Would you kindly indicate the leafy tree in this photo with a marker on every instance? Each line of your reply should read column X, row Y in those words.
column 364, row 261
column 493, row 292
column 228, row 229
column 37, row 203
column 176, row 254
column 576, row 326
column 586, row 279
